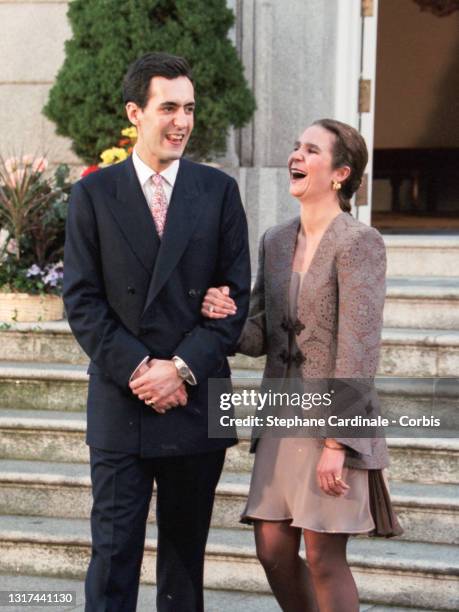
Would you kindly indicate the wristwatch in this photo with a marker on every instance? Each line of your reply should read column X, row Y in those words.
column 183, row 370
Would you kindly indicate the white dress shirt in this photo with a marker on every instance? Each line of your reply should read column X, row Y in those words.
column 144, row 174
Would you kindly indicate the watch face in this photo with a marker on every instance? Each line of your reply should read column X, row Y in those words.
column 183, row 372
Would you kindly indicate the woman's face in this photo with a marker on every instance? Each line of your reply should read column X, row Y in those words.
column 310, row 164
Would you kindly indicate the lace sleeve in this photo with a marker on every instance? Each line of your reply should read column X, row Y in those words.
column 361, row 289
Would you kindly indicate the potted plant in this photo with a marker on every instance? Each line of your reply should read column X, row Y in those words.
column 33, row 209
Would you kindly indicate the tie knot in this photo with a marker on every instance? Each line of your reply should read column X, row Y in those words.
column 157, row 179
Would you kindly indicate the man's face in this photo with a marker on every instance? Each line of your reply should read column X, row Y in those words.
column 165, row 124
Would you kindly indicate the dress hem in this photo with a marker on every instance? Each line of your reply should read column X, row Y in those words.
column 248, row 520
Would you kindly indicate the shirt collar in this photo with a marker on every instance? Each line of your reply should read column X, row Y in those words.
column 144, row 172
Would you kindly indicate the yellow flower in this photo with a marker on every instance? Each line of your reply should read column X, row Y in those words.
column 113, row 155
column 130, row 132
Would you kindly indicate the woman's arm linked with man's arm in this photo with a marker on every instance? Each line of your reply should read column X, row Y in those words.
column 217, row 304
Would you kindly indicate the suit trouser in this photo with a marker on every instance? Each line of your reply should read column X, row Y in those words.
column 122, row 487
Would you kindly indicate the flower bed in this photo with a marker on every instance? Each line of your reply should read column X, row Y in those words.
column 33, row 209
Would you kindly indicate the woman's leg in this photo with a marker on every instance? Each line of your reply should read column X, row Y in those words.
column 332, row 578
column 278, row 547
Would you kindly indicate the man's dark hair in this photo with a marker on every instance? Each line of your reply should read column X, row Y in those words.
column 137, row 79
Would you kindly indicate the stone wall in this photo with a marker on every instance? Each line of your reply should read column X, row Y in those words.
column 288, row 50
column 32, row 50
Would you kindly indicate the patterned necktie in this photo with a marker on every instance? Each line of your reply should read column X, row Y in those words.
column 158, row 205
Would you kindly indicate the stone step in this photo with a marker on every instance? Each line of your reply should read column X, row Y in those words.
column 422, row 302
column 50, row 341
column 417, row 255
column 214, row 601
column 45, row 386
column 428, row 513
column 421, row 460
column 49, row 386
column 63, row 387
column 389, row 572
column 405, row 351
column 414, row 398
column 41, row 435
column 418, row 397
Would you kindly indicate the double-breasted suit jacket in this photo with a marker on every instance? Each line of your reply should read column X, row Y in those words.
column 340, row 313
column 129, row 295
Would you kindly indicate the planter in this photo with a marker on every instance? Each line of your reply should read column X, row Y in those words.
column 23, row 307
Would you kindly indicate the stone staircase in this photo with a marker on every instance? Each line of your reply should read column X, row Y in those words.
column 44, row 477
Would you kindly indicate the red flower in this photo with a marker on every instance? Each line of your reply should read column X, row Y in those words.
column 89, row 169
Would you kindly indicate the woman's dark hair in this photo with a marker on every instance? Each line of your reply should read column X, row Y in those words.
column 349, row 149
column 136, row 82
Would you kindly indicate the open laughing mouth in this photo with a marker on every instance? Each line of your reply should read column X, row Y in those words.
column 296, row 174
column 175, row 139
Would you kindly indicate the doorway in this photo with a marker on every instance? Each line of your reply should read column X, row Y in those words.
column 416, row 126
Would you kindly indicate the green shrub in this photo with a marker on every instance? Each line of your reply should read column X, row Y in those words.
column 86, row 101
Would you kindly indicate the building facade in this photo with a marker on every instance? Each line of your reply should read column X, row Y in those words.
column 383, row 66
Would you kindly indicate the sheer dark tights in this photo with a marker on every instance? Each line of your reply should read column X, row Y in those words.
column 324, row 584
column 331, row 575
column 278, row 547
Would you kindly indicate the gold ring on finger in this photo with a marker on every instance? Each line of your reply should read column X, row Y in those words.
column 211, row 308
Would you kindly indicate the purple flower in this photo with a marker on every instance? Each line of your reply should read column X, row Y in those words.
column 34, row 271
column 51, row 278
column 54, row 274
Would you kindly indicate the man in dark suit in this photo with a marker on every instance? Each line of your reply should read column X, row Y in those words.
column 145, row 239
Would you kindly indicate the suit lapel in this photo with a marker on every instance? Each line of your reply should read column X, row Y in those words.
column 183, row 213
column 132, row 214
